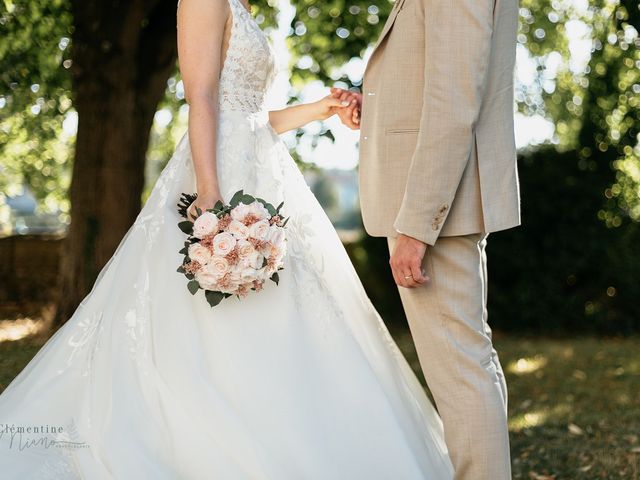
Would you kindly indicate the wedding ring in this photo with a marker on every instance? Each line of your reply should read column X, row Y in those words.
column 407, row 278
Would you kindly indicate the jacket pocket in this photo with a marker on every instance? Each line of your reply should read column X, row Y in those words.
column 400, row 131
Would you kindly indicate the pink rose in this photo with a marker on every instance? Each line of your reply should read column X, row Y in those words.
column 259, row 210
column 259, row 230
column 238, row 229
column 206, row 278
column 199, row 253
column 205, row 224
column 218, row 266
column 223, row 243
column 240, row 211
column 245, row 249
column 229, row 283
column 255, row 209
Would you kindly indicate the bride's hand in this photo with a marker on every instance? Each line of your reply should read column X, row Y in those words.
column 328, row 106
column 204, row 202
column 350, row 116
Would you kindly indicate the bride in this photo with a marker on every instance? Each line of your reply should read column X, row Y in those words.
column 299, row 381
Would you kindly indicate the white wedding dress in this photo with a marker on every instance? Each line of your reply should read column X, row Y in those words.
column 300, row 381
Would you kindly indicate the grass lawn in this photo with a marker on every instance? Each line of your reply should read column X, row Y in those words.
column 574, row 404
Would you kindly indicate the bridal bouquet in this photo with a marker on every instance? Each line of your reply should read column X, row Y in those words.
column 232, row 249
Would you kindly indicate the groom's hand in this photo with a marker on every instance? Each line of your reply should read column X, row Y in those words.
column 350, row 116
column 406, row 262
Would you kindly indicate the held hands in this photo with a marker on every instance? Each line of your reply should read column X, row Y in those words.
column 406, row 262
column 328, row 106
column 350, row 116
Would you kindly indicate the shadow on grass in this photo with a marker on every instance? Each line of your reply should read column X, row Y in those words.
column 574, row 405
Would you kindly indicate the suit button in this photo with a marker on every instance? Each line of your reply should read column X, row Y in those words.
column 365, row 138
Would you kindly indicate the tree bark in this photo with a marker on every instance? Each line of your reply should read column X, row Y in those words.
column 123, row 53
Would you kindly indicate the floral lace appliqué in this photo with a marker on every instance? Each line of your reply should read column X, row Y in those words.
column 249, row 66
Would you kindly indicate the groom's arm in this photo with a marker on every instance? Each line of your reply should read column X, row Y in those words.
column 457, row 48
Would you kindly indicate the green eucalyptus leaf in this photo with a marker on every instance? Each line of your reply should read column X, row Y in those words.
column 213, row 298
column 186, row 226
column 237, row 197
column 247, row 199
column 193, row 286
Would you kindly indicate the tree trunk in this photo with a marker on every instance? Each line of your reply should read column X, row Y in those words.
column 123, row 53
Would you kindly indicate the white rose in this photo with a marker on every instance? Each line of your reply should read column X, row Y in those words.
column 199, row 253
column 255, row 260
column 205, row 224
column 259, row 230
column 259, row 210
column 223, row 243
column 240, row 211
column 276, row 236
column 263, row 274
column 248, row 274
column 239, row 229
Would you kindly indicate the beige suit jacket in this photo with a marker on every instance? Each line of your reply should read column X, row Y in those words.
column 437, row 147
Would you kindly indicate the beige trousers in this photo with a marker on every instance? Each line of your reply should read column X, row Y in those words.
column 448, row 322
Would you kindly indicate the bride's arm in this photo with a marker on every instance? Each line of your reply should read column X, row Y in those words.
column 297, row 116
column 201, row 31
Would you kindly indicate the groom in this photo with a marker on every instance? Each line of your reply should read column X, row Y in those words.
column 437, row 174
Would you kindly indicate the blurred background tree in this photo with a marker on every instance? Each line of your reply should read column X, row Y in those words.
column 111, row 67
column 577, row 257
column 35, row 101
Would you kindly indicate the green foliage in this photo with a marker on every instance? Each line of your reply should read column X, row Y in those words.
column 327, row 34
column 578, row 252
column 35, row 98
column 595, row 109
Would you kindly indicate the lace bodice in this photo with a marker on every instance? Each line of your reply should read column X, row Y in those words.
column 249, row 66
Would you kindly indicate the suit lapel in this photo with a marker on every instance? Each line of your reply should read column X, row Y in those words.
column 387, row 26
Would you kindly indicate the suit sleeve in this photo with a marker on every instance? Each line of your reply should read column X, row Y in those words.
column 457, row 49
